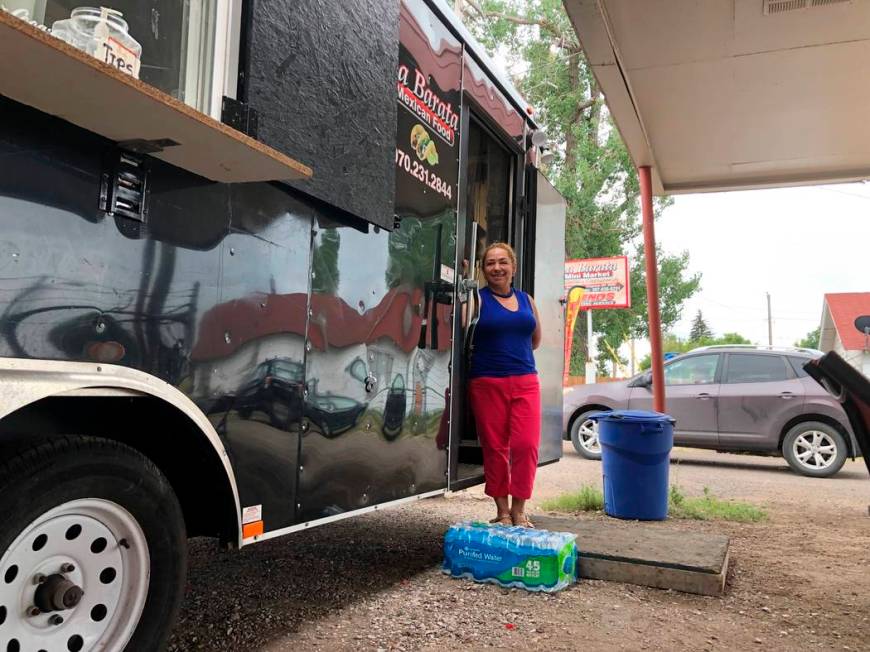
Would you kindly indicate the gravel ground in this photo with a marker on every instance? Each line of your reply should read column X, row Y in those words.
column 799, row 581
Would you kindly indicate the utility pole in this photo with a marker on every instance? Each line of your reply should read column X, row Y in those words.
column 590, row 349
column 769, row 322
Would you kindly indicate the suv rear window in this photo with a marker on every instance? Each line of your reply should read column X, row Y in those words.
column 798, row 366
column 747, row 368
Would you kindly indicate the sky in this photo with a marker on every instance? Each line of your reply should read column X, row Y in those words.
column 795, row 243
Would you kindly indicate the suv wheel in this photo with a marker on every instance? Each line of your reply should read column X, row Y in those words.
column 584, row 436
column 814, row 449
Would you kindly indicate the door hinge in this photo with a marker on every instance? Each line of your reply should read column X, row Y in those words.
column 240, row 116
column 124, row 186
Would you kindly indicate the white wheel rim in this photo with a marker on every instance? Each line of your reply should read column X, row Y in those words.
column 815, row 449
column 588, row 436
column 108, row 555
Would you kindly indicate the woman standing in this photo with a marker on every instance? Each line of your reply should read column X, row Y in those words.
column 503, row 390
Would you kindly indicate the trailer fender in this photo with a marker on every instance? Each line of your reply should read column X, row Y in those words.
column 27, row 381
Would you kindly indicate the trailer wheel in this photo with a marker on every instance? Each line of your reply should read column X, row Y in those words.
column 92, row 549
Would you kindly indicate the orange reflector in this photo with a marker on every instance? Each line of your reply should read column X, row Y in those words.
column 252, row 529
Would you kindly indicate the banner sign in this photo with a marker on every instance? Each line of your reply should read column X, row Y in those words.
column 605, row 279
column 572, row 309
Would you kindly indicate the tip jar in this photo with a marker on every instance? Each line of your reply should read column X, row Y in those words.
column 103, row 33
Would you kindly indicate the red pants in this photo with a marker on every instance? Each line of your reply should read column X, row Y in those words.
column 507, row 412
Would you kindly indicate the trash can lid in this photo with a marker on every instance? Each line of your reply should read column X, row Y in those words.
column 646, row 416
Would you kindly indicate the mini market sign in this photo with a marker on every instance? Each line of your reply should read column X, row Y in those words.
column 605, row 281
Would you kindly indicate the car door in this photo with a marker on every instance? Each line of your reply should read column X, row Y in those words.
column 691, row 393
column 757, row 390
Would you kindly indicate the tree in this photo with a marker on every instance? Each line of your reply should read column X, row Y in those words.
column 700, row 331
column 732, row 338
column 591, row 167
column 325, row 262
column 811, row 339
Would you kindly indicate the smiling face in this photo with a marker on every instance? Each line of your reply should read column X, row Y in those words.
column 498, row 268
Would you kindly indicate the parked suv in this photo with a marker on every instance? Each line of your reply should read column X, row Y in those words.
column 734, row 398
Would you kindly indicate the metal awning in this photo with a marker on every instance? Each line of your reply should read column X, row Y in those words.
column 734, row 94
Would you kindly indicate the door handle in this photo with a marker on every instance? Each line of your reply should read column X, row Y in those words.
column 703, row 396
column 471, row 286
column 786, row 395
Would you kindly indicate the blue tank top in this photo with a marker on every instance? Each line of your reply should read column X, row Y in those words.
column 503, row 339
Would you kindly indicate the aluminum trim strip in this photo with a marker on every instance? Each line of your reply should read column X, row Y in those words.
column 339, row 517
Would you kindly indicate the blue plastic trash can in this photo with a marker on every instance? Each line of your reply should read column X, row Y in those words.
column 635, row 458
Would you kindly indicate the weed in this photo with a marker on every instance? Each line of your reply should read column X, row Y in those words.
column 708, row 508
column 703, row 508
column 588, row 499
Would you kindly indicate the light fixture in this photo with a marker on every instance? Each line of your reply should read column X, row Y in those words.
column 547, row 156
column 539, row 137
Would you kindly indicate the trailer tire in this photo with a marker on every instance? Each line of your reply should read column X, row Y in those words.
column 93, row 539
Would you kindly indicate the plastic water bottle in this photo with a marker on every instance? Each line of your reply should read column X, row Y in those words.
column 536, row 560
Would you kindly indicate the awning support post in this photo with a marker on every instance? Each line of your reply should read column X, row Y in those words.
column 652, row 289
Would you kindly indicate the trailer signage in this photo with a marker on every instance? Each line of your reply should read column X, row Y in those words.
column 428, row 92
column 419, row 98
column 419, row 171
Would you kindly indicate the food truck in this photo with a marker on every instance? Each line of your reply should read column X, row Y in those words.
column 236, row 236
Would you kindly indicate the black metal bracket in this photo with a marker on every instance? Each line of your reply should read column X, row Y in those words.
column 240, row 116
column 124, row 186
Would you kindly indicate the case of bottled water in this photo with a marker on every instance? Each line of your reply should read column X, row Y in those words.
column 536, row 560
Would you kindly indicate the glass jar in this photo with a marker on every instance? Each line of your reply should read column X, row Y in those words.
column 103, row 34
column 32, row 11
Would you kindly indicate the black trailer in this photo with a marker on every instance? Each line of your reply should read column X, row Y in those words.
column 229, row 287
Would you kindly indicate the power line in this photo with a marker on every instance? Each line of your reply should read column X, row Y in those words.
column 757, row 309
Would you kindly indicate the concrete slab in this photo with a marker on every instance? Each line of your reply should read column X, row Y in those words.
column 646, row 555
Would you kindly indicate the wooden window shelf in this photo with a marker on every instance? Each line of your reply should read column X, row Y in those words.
column 46, row 73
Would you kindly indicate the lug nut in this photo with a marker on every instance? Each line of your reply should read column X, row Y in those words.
column 39, row 579
column 67, row 568
column 33, row 611
column 55, row 620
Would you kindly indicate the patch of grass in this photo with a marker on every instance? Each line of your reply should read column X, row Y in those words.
column 710, row 508
column 703, row 508
column 588, row 499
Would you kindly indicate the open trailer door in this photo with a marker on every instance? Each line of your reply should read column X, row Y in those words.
column 549, row 269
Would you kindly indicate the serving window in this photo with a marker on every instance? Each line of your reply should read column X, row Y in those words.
column 178, row 46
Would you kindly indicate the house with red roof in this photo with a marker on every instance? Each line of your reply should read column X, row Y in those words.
column 839, row 332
